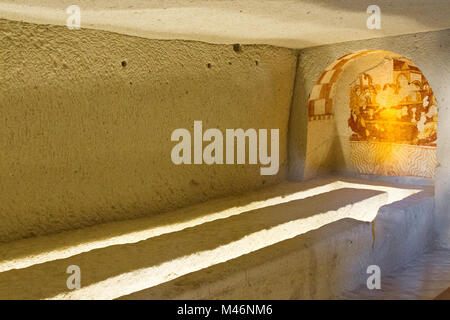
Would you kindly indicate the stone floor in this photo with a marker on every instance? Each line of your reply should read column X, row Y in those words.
column 424, row 278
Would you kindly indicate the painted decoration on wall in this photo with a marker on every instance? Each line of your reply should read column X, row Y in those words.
column 320, row 103
column 393, row 119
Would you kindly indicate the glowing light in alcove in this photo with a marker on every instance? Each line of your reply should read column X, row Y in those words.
column 402, row 110
column 393, row 118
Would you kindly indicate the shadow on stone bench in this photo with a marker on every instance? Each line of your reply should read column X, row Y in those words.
column 122, row 269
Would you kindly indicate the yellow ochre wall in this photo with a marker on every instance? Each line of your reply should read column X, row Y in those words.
column 86, row 140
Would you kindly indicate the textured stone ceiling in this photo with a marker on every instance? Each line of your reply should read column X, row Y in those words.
column 297, row 24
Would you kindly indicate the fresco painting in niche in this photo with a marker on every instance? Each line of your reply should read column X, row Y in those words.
column 393, row 119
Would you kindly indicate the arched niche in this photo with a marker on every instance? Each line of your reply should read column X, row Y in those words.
column 372, row 112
